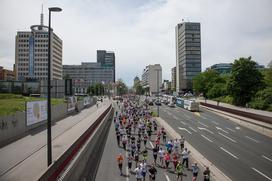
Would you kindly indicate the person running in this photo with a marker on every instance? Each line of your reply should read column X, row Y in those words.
column 167, row 159
column 185, row 157
column 144, row 169
column 138, row 173
column 175, row 160
column 152, row 172
column 155, row 154
column 118, row 137
column 145, row 139
column 130, row 158
column 176, row 145
column 164, row 136
column 136, row 157
column 161, row 155
column 179, row 171
column 120, row 160
column 206, row 174
column 145, row 154
column 124, row 141
column 181, row 141
column 195, row 170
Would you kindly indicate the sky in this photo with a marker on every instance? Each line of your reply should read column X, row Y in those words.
column 142, row 32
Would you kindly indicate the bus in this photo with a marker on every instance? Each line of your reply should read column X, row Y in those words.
column 191, row 105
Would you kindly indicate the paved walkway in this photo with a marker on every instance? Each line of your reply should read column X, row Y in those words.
column 254, row 111
column 25, row 159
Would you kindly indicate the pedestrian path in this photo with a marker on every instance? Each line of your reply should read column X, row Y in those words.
column 25, row 159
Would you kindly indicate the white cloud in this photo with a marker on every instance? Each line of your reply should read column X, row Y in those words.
column 142, row 32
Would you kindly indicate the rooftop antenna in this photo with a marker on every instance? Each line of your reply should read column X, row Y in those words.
column 42, row 16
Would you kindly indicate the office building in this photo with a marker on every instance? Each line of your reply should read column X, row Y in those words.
column 107, row 59
column 31, row 54
column 87, row 74
column 222, row 68
column 6, row 74
column 152, row 79
column 188, row 54
column 173, row 78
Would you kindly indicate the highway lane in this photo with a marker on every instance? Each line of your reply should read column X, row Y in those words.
column 240, row 153
column 108, row 169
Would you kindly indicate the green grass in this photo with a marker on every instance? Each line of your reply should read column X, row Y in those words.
column 11, row 103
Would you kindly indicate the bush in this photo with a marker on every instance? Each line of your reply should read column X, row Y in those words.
column 262, row 99
column 217, row 90
column 226, row 99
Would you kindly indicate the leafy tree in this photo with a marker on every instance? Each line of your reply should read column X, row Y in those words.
column 121, row 87
column 245, row 81
column 139, row 88
column 204, row 81
column 267, row 73
column 96, row 89
column 218, row 90
column 262, row 99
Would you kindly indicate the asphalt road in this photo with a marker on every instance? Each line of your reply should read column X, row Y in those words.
column 108, row 169
column 241, row 153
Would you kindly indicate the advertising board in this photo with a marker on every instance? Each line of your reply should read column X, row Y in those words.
column 36, row 111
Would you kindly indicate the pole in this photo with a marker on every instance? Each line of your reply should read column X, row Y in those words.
column 49, row 143
column 158, row 107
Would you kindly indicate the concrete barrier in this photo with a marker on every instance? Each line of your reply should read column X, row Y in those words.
column 94, row 131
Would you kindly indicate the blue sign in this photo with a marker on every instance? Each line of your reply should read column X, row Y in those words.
column 31, row 56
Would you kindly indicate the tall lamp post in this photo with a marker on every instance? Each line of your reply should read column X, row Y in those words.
column 49, row 143
column 158, row 91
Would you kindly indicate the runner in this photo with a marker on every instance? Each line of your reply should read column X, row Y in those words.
column 182, row 140
column 206, row 174
column 185, row 157
column 130, row 158
column 120, row 160
column 167, row 159
column 136, row 157
column 195, row 170
column 145, row 154
column 175, row 160
column 155, row 154
column 152, row 172
column 124, row 141
column 118, row 137
column 144, row 169
column 176, row 145
column 179, row 171
column 161, row 155
column 138, row 173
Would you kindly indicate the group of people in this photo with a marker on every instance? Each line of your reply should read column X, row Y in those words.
column 134, row 125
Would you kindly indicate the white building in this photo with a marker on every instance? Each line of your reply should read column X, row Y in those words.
column 152, row 78
column 31, row 54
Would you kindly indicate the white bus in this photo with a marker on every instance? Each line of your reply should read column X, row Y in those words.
column 191, row 105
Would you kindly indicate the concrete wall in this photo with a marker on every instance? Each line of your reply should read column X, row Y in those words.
column 13, row 127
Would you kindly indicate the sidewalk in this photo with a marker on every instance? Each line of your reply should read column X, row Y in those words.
column 26, row 159
column 254, row 111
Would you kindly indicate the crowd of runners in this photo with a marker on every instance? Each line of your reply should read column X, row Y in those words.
column 135, row 127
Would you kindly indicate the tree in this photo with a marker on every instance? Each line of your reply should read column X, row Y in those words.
column 204, row 81
column 121, row 87
column 245, row 81
column 139, row 88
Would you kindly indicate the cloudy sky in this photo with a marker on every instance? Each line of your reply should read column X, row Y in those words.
column 142, row 32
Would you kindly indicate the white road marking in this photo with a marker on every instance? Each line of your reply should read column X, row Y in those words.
column 229, row 152
column 227, row 137
column 203, row 124
column 175, row 117
column 261, row 173
column 187, row 116
column 214, row 122
column 207, row 138
column 230, row 129
column 184, row 130
column 237, row 128
column 183, row 123
column 205, row 130
column 151, row 144
column 166, row 176
column 192, row 129
column 221, row 129
column 267, row 158
column 252, row 139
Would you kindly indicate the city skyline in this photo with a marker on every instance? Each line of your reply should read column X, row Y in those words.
column 143, row 32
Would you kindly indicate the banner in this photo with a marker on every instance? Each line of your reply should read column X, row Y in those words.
column 86, row 101
column 36, row 111
column 72, row 103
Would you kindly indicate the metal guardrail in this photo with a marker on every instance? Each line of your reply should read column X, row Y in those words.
column 57, row 167
column 258, row 117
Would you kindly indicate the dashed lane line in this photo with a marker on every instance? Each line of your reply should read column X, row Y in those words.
column 216, row 123
column 259, row 172
column 221, row 129
column 252, row 139
column 207, row 138
column 166, row 176
column 229, row 152
column 203, row 124
column 182, row 122
column 230, row 129
column 192, row 129
column 205, row 130
column 267, row 158
column 227, row 137
column 184, row 130
column 151, row 144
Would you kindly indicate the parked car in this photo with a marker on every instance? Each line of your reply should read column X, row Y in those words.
column 158, row 103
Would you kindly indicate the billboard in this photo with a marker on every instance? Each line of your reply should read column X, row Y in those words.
column 36, row 111
column 87, row 101
column 71, row 103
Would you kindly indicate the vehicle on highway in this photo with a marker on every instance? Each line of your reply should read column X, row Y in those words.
column 158, row 103
column 180, row 102
column 151, row 103
column 191, row 105
column 171, row 104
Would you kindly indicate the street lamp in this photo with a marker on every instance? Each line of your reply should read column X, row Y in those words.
column 49, row 143
column 158, row 90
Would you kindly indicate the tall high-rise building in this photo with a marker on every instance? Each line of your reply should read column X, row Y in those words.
column 173, row 77
column 107, row 59
column 31, row 54
column 188, row 54
column 152, row 78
